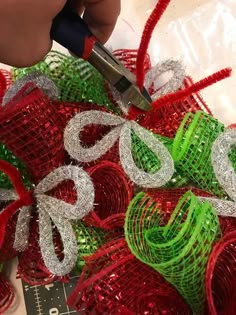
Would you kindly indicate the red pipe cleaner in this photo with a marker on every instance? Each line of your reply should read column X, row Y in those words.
column 146, row 37
column 25, row 197
column 196, row 87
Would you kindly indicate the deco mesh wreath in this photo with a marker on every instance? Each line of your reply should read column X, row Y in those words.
column 141, row 204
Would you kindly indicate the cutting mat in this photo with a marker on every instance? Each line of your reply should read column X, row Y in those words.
column 49, row 299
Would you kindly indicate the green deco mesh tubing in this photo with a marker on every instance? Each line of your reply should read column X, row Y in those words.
column 192, row 150
column 75, row 78
column 10, row 158
column 178, row 250
column 146, row 160
column 89, row 239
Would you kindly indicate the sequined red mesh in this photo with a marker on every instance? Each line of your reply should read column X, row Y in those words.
column 167, row 199
column 227, row 224
column 31, row 267
column 129, row 58
column 67, row 110
column 32, row 130
column 114, row 280
column 6, row 294
column 7, row 251
column 221, row 277
column 113, row 190
column 2, row 85
column 5, row 82
column 166, row 120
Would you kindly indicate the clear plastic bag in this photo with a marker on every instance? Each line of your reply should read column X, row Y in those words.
column 200, row 33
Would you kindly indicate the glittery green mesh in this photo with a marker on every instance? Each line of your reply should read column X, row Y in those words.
column 75, row 78
column 146, row 160
column 192, row 150
column 1, row 267
column 89, row 239
column 9, row 157
column 178, row 249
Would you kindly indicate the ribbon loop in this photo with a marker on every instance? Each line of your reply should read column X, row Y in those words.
column 174, row 83
column 77, row 124
column 138, row 176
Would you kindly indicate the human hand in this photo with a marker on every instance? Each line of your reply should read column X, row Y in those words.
column 25, row 26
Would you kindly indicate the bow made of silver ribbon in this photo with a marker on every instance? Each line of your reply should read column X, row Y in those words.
column 51, row 209
column 123, row 131
column 224, row 172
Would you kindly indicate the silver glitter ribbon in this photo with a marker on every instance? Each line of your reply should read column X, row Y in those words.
column 222, row 166
column 122, row 131
column 175, row 82
column 40, row 80
column 59, row 212
column 223, row 207
column 224, row 172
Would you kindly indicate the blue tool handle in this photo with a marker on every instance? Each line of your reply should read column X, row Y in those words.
column 70, row 31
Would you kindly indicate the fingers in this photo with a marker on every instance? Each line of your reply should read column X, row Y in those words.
column 25, row 30
column 25, row 26
column 77, row 5
column 100, row 15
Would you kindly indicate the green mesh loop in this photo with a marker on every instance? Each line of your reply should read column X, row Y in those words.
column 76, row 79
column 178, row 250
column 192, row 150
column 18, row 73
column 89, row 239
column 7, row 156
column 147, row 161
column 1, row 267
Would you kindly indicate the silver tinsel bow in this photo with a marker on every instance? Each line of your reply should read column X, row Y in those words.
column 224, row 172
column 122, row 131
column 59, row 212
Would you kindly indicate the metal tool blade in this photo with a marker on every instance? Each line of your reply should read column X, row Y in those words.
column 119, row 77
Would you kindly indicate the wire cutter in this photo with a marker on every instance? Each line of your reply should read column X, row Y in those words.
column 70, row 31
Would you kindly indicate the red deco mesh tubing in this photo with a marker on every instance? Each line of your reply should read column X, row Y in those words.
column 113, row 190
column 5, row 82
column 3, row 85
column 31, row 267
column 167, row 199
column 129, row 59
column 6, row 294
column 221, row 277
column 32, row 131
column 7, row 251
column 67, row 110
column 115, row 282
